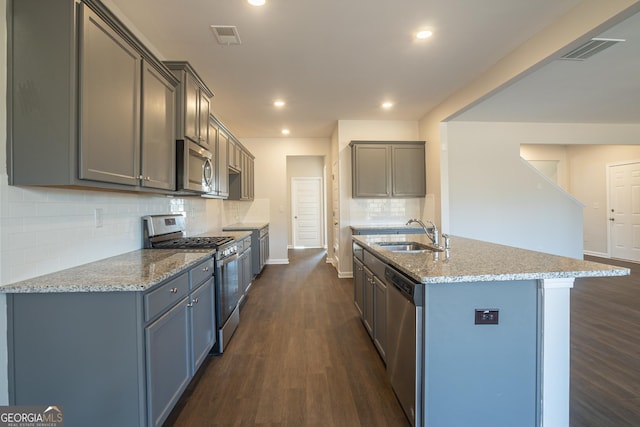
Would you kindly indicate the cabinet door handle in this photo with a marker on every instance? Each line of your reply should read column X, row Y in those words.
column 174, row 290
column 195, row 300
column 205, row 269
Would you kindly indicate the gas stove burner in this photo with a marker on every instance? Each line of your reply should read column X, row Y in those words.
column 193, row 242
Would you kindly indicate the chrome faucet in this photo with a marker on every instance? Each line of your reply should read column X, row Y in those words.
column 434, row 236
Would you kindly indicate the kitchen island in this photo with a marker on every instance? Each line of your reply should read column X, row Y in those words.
column 492, row 341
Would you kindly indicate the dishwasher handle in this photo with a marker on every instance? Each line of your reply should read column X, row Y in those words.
column 409, row 289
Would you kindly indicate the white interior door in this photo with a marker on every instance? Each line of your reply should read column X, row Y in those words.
column 624, row 211
column 306, row 206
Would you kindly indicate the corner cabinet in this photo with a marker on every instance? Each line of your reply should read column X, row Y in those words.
column 194, row 104
column 388, row 169
column 119, row 358
column 89, row 105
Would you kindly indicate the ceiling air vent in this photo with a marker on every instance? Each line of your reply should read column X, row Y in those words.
column 590, row 48
column 226, row 34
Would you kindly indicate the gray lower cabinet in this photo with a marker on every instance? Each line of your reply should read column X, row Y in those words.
column 367, row 315
column 264, row 247
column 90, row 106
column 111, row 358
column 358, row 285
column 380, row 316
column 168, row 364
column 370, row 296
column 203, row 330
column 259, row 243
column 388, row 169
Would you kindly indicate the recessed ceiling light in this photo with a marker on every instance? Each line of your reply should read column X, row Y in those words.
column 256, row 2
column 279, row 103
column 423, row 34
column 387, row 104
column 286, row 131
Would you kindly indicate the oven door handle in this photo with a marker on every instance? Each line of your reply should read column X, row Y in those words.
column 227, row 260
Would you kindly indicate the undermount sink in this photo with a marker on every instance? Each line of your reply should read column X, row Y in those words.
column 407, row 247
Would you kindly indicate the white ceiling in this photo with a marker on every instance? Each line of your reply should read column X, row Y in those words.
column 602, row 89
column 339, row 59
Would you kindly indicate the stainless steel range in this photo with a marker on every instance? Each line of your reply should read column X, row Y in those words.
column 168, row 232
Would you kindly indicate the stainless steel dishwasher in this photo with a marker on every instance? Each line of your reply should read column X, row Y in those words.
column 405, row 307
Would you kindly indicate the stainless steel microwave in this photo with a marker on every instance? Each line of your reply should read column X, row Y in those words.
column 195, row 170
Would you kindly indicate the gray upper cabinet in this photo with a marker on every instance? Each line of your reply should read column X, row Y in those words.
column 223, row 164
column 241, row 183
column 371, row 170
column 193, row 106
column 388, row 169
column 219, row 146
column 110, row 103
column 79, row 111
column 408, row 171
column 158, row 130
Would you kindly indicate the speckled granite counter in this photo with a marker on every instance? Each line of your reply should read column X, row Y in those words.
column 247, row 226
column 476, row 261
column 133, row 271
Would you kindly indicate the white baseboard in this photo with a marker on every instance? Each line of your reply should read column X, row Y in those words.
column 347, row 275
column 278, row 261
column 598, row 254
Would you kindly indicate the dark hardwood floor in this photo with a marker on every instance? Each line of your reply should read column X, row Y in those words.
column 605, row 350
column 300, row 357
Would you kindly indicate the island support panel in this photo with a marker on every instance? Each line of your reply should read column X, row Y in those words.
column 482, row 374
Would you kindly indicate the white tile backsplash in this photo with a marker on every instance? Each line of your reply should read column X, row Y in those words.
column 49, row 229
column 385, row 211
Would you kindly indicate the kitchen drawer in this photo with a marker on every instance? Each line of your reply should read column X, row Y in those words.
column 200, row 273
column 358, row 252
column 244, row 244
column 374, row 264
column 157, row 301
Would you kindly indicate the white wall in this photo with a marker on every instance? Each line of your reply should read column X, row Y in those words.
column 555, row 153
column 494, row 196
column 577, row 26
column 588, row 182
column 584, row 170
column 368, row 211
column 271, row 202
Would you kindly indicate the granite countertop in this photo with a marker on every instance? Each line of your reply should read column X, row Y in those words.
column 133, row 271
column 476, row 261
column 237, row 235
column 245, row 226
